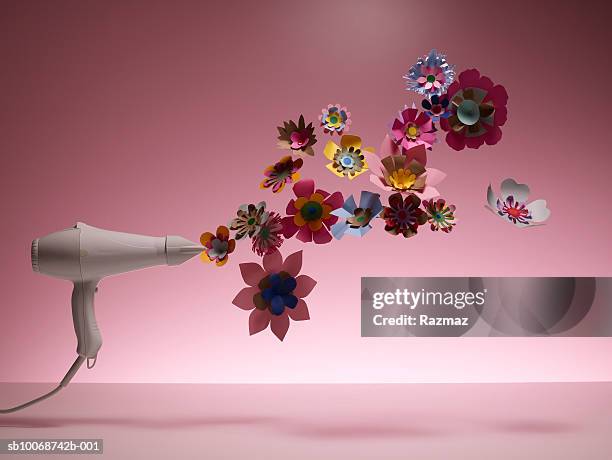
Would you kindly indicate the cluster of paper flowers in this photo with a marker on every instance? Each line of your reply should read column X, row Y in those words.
column 470, row 109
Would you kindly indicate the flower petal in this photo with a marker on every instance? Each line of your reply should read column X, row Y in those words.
column 469, row 78
column 373, row 161
column 455, row 141
column 304, row 188
column 388, row 147
column 244, row 299
column 418, row 153
column 304, row 234
column 273, row 262
column 293, row 264
column 539, row 213
column 300, row 312
column 223, row 232
column 280, row 325
column 335, row 200
column 305, row 285
column 330, row 150
column 322, row 236
column 206, row 237
column 434, row 176
column 350, row 141
column 378, row 181
column 252, row 273
column 509, row 187
column 428, row 193
column 493, row 136
column 291, row 209
column 258, row 321
column 289, row 227
column 491, row 197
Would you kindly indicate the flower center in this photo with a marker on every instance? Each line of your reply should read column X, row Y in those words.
column 515, row 212
column 333, row 119
column 431, row 78
column 298, row 139
column 360, row 218
column 468, row 112
column 347, row 161
column 277, row 292
column 251, row 221
column 412, row 131
column 264, row 233
column 312, row 210
column 402, row 179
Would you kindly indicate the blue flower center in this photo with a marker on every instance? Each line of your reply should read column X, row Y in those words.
column 347, row 161
column 312, row 210
column 280, row 293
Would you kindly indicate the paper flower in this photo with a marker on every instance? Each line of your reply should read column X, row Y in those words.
column 513, row 207
column 275, row 293
column 269, row 237
column 347, row 159
column 355, row 220
column 217, row 247
column 478, row 109
column 250, row 217
column 412, row 128
column 310, row 214
column 404, row 173
column 431, row 75
column 299, row 138
column 437, row 107
column 440, row 215
column 403, row 215
column 281, row 173
column 335, row 119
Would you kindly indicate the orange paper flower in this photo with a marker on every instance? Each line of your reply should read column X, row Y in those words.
column 217, row 247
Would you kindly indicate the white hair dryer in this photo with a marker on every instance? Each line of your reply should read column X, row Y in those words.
column 84, row 255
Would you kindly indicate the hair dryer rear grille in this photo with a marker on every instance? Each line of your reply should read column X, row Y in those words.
column 35, row 255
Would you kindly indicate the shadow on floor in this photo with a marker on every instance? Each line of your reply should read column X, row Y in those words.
column 131, row 422
column 324, row 429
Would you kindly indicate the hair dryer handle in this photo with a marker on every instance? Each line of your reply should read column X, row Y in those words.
column 84, row 319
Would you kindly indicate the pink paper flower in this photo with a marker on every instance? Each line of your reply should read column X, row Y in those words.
column 310, row 214
column 275, row 293
column 413, row 128
column 477, row 110
column 404, row 173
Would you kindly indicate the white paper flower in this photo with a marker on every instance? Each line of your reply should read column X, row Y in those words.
column 512, row 205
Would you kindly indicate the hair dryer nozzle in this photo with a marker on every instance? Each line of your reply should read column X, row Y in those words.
column 179, row 249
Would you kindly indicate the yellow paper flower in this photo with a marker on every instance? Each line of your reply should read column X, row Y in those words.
column 347, row 159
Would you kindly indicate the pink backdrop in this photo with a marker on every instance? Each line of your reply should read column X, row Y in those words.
column 159, row 117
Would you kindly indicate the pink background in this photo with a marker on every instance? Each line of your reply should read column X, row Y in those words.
column 159, row 117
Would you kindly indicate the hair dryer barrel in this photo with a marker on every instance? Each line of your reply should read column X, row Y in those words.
column 106, row 252
column 85, row 253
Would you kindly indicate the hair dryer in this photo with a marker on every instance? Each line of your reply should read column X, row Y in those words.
column 84, row 255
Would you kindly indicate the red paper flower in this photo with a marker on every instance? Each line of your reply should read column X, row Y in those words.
column 403, row 216
column 275, row 293
column 309, row 215
column 478, row 109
